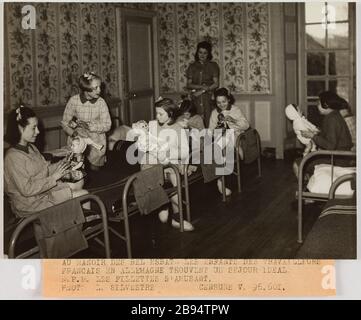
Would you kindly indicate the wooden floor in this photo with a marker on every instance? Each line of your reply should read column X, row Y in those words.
column 260, row 222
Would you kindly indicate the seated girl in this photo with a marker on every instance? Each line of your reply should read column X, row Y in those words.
column 334, row 133
column 174, row 149
column 188, row 117
column 227, row 116
column 31, row 183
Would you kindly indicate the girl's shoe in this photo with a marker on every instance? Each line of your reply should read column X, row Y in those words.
column 219, row 185
column 187, row 226
column 163, row 216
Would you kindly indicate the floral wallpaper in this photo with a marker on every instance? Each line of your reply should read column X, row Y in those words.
column 257, row 47
column 69, row 50
column 89, row 37
column 186, row 20
column 239, row 33
column 233, row 17
column 47, row 56
column 69, row 39
column 43, row 65
column 108, row 48
column 20, row 55
column 167, row 48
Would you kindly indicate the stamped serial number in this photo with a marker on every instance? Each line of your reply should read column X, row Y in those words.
column 182, row 309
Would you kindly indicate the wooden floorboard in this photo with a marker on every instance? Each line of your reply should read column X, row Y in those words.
column 260, row 222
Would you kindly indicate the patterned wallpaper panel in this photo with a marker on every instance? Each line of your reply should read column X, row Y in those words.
column 69, row 48
column 257, row 47
column 89, row 37
column 239, row 33
column 43, row 65
column 167, row 48
column 47, row 55
column 233, row 17
column 108, row 48
column 187, row 38
column 69, row 39
column 21, row 58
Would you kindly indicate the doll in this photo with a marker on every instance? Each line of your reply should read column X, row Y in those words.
column 300, row 123
column 79, row 131
column 154, row 146
column 140, row 130
column 75, row 158
column 222, row 123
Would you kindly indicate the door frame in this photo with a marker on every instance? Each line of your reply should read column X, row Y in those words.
column 121, row 56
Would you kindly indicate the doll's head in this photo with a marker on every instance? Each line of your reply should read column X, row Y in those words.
column 292, row 112
column 73, row 123
column 78, row 145
column 140, row 125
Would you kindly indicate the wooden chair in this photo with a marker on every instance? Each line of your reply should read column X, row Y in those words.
column 239, row 162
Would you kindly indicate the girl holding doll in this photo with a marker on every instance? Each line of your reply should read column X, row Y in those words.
column 172, row 148
column 227, row 116
column 90, row 113
column 32, row 183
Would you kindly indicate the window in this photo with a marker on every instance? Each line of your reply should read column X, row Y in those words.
column 328, row 51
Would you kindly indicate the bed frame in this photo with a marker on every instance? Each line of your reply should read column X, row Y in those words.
column 120, row 190
column 302, row 195
column 90, row 230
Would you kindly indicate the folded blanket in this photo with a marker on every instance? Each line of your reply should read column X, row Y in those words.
column 59, row 230
column 148, row 191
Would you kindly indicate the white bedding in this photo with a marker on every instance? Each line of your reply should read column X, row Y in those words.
column 320, row 182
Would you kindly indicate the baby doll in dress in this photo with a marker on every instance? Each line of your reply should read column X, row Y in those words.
column 148, row 143
column 75, row 158
column 300, row 123
column 79, row 131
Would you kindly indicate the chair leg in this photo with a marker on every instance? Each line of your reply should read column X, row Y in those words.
column 300, row 219
column 258, row 138
column 223, row 188
column 186, row 193
column 259, row 166
column 238, row 162
column 127, row 231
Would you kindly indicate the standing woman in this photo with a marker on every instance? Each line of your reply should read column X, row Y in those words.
column 202, row 79
column 92, row 114
column 32, row 183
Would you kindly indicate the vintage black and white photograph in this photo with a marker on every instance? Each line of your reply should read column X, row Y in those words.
column 179, row 130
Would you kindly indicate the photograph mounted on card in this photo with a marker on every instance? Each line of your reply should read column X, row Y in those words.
column 180, row 130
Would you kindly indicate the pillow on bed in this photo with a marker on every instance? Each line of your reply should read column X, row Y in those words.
column 320, row 182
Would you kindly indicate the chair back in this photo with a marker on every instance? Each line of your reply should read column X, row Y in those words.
column 251, row 145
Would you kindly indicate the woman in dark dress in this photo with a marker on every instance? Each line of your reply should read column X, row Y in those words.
column 334, row 133
column 202, row 79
